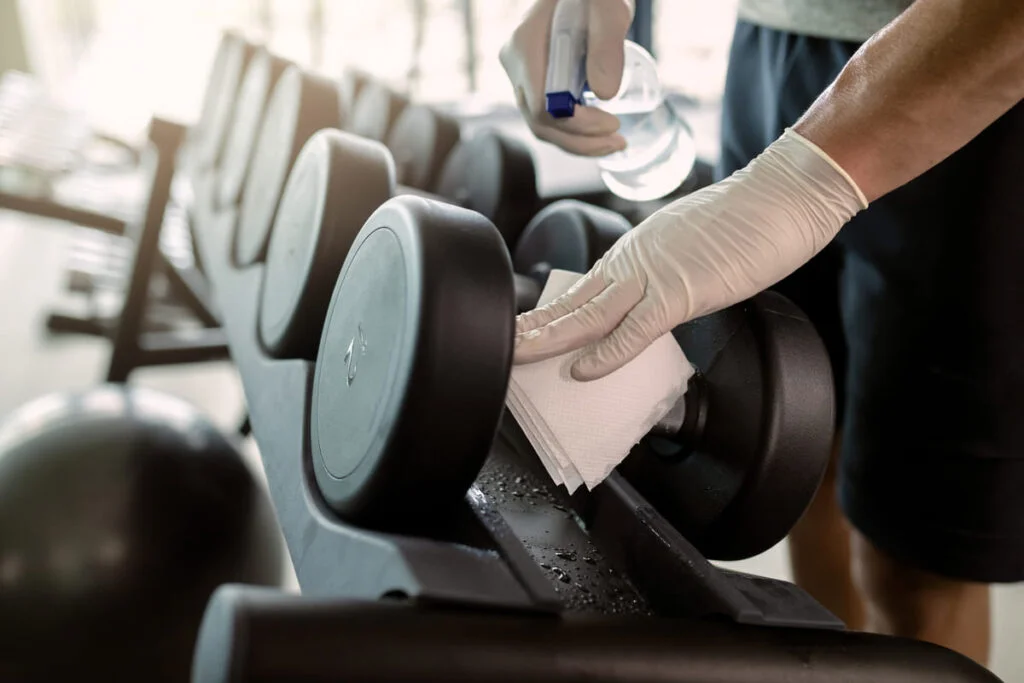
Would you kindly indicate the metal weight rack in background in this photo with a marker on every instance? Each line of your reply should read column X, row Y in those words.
column 50, row 150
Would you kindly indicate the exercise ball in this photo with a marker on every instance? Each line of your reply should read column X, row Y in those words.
column 121, row 510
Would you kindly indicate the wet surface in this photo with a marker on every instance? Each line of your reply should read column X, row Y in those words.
column 541, row 517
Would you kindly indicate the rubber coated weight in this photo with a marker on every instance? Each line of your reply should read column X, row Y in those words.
column 358, row 187
column 260, row 78
column 350, row 86
column 493, row 174
column 413, row 365
column 375, row 111
column 757, row 433
column 222, row 89
column 300, row 105
column 420, row 141
column 322, row 209
column 567, row 235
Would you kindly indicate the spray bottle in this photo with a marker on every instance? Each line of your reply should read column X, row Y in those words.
column 660, row 151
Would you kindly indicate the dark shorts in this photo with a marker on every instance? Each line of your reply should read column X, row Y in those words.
column 921, row 302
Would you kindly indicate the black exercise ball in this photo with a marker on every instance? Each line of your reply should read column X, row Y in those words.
column 121, row 510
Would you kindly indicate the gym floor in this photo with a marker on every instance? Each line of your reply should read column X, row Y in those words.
column 33, row 253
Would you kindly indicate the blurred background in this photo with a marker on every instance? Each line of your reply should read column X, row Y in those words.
column 107, row 66
column 119, row 61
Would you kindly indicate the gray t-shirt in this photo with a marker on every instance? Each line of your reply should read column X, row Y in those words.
column 855, row 20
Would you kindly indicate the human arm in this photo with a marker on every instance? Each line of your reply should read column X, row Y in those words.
column 915, row 93
column 920, row 89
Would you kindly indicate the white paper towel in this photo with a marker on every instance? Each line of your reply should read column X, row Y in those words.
column 582, row 430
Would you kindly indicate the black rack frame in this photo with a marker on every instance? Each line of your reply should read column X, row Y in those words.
column 132, row 345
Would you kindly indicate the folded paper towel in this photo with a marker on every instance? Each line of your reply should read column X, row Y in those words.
column 582, row 430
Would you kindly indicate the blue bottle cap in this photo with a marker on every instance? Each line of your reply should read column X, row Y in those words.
column 561, row 105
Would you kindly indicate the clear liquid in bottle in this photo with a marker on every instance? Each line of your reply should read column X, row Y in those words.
column 660, row 151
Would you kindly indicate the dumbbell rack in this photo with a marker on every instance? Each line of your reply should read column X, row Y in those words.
column 507, row 574
column 134, row 345
column 517, row 549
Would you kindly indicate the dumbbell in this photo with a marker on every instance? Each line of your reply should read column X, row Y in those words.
column 314, row 228
column 566, row 235
column 338, row 181
column 230, row 63
column 487, row 170
column 261, row 76
column 350, row 86
column 375, row 111
column 420, row 142
column 492, row 166
column 734, row 465
column 492, row 173
column 757, row 356
column 736, row 484
column 300, row 104
column 745, row 457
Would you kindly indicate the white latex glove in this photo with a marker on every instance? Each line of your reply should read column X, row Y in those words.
column 702, row 253
column 590, row 131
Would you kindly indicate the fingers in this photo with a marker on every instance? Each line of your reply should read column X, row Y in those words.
column 589, row 121
column 625, row 343
column 581, row 145
column 589, row 132
column 607, row 27
column 580, row 327
column 582, row 291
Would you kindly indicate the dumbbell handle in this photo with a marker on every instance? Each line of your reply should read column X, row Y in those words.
column 251, row 635
column 685, row 422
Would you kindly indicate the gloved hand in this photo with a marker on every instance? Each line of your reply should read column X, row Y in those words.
column 702, row 253
column 590, row 131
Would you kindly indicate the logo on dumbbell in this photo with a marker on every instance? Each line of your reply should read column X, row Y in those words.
column 355, row 351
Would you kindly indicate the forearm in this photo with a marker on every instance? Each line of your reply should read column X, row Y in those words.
column 921, row 89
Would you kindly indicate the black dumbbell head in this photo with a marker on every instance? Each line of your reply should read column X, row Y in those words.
column 300, row 105
column 567, row 235
column 261, row 76
column 738, row 484
column 338, row 181
column 375, row 111
column 413, row 364
column 493, row 174
column 222, row 88
column 350, row 86
column 420, row 141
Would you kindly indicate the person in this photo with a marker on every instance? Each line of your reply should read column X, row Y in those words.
column 899, row 120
